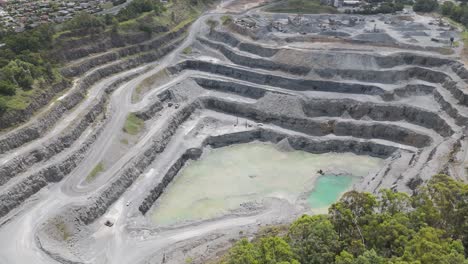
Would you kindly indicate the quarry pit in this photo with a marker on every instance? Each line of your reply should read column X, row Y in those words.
column 244, row 120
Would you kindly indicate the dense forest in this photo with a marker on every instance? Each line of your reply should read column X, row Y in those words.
column 429, row 227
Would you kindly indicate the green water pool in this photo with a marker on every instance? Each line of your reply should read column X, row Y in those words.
column 224, row 178
column 328, row 189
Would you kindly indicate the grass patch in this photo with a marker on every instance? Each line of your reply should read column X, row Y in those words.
column 124, row 141
column 96, row 170
column 133, row 124
column 60, row 33
column 302, row 7
column 106, row 5
column 226, row 20
column 62, row 229
column 445, row 51
column 187, row 50
column 464, row 39
column 144, row 86
column 19, row 101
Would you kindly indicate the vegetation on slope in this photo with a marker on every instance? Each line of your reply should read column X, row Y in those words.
column 96, row 170
column 301, row 7
column 27, row 67
column 425, row 5
column 24, row 66
column 63, row 230
column 457, row 12
column 430, row 227
column 160, row 78
column 133, row 124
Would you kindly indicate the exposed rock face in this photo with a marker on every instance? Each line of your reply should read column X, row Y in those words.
column 153, row 44
column 296, row 142
column 150, row 110
column 168, row 177
column 39, row 127
column 99, row 203
column 255, row 62
column 321, row 127
column 457, row 91
column 384, row 76
column 232, row 87
column 31, row 184
column 302, row 143
column 36, row 181
column 100, row 42
column 23, row 162
column 278, row 81
column 380, row 112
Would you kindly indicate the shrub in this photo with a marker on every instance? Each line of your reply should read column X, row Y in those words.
column 84, row 20
column 425, row 5
column 7, row 88
column 138, row 7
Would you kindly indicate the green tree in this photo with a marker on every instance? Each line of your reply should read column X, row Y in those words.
column 22, row 42
column 425, row 5
column 274, row 250
column 7, row 88
column 429, row 247
column 388, row 234
column 313, row 239
column 394, row 202
column 20, row 73
column 368, row 257
column 269, row 250
column 243, row 252
column 447, row 8
column 443, row 204
column 85, row 21
column 351, row 213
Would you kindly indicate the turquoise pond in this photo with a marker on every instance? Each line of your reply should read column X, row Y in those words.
column 328, row 189
column 224, row 178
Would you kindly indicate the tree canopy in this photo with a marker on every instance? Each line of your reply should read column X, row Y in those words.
column 456, row 12
column 22, row 61
column 137, row 7
column 429, row 227
column 425, row 5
